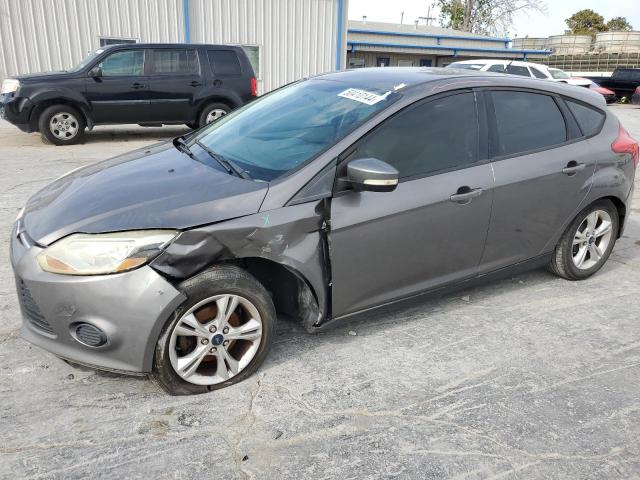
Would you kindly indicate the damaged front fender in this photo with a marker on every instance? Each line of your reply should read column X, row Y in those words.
column 292, row 236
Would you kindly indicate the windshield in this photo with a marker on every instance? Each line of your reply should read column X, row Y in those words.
column 466, row 66
column 559, row 74
column 90, row 56
column 288, row 127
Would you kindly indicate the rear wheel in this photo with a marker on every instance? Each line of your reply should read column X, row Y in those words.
column 587, row 242
column 61, row 125
column 219, row 336
column 213, row 112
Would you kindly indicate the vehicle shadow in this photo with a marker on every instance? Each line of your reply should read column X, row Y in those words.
column 134, row 133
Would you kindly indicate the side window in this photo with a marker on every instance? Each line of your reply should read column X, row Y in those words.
column 436, row 135
column 496, row 68
column 224, row 63
column 526, row 121
column 174, row 62
column 518, row 70
column 622, row 74
column 588, row 118
column 537, row 73
column 126, row 63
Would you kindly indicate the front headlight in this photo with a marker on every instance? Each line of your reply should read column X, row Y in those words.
column 96, row 254
column 10, row 85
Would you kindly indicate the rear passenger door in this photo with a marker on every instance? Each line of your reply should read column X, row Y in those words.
column 174, row 83
column 543, row 171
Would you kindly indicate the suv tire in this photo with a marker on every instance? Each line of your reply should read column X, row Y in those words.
column 61, row 125
column 220, row 281
column 212, row 112
column 587, row 242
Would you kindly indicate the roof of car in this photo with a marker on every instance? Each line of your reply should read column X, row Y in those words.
column 387, row 78
column 404, row 78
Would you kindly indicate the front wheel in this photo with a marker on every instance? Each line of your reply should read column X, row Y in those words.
column 587, row 242
column 219, row 336
column 61, row 125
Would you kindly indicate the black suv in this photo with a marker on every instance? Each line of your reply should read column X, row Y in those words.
column 148, row 84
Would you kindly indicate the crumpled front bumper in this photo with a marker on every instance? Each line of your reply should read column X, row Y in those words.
column 131, row 308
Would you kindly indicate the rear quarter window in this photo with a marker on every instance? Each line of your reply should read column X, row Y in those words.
column 224, row 62
column 525, row 121
column 589, row 119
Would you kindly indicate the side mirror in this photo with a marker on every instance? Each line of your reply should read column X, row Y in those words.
column 95, row 72
column 371, row 174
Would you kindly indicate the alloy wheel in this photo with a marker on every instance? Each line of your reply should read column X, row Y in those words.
column 64, row 126
column 215, row 339
column 591, row 240
column 215, row 114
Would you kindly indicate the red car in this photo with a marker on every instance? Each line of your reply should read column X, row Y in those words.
column 635, row 98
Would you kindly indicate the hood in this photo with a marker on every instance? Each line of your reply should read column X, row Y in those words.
column 155, row 187
column 38, row 76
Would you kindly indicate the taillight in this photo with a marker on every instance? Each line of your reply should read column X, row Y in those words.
column 254, row 87
column 625, row 143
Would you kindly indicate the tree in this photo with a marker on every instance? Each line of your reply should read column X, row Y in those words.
column 586, row 22
column 484, row 17
column 618, row 24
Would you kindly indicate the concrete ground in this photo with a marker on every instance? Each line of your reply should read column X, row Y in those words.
column 529, row 377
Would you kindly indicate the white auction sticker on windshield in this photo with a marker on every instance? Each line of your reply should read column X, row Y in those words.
column 362, row 96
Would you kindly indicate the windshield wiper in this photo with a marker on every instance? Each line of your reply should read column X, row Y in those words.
column 181, row 145
column 228, row 165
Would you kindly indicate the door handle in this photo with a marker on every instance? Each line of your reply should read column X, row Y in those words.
column 137, row 86
column 465, row 194
column 195, row 83
column 217, row 83
column 573, row 167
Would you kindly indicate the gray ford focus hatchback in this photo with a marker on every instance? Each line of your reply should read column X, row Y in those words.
column 320, row 201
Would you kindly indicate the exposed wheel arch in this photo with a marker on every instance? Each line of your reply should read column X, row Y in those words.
column 292, row 295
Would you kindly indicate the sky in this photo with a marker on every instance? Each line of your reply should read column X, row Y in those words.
column 533, row 25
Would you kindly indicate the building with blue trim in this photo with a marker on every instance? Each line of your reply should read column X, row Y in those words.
column 285, row 39
column 371, row 44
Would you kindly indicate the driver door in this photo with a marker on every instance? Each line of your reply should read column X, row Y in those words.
column 121, row 93
column 431, row 229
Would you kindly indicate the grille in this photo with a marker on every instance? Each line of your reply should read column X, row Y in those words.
column 31, row 310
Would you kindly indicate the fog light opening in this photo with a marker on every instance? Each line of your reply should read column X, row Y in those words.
column 90, row 335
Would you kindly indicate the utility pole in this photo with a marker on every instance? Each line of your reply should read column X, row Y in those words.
column 429, row 17
column 401, row 17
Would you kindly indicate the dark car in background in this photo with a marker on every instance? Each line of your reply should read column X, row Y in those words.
column 318, row 202
column 147, row 84
column 622, row 82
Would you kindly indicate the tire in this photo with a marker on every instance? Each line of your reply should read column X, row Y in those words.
column 70, row 134
column 192, row 125
column 212, row 107
column 223, row 280
column 567, row 254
